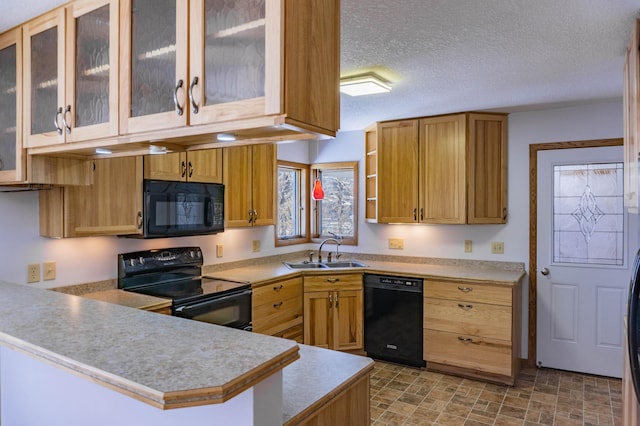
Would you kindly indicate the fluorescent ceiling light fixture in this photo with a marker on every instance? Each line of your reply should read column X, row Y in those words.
column 103, row 151
column 155, row 150
column 364, row 84
column 241, row 28
column 226, row 137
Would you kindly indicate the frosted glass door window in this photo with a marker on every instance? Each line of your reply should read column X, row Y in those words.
column 92, row 68
column 235, row 50
column 588, row 214
column 8, row 93
column 153, row 62
column 44, row 80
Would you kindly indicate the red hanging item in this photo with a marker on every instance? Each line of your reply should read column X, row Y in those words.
column 318, row 192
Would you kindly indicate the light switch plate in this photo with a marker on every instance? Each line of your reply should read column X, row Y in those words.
column 255, row 246
column 218, row 250
column 468, row 246
column 49, row 271
column 497, row 247
column 396, row 243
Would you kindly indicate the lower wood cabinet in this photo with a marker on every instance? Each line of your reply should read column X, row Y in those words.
column 333, row 311
column 472, row 329
column 276, row 309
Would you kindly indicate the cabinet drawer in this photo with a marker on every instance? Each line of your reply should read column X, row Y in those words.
column 475, row 353
column 475, row 319
column 469, row 292
column 273, row 293
column 328, row 282
column 272, row 318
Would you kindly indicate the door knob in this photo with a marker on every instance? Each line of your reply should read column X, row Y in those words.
column 545, row 271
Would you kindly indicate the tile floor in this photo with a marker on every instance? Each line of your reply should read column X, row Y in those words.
column 410, row 396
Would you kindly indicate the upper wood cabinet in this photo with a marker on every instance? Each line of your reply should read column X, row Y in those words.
column 111, row 206
column 204, row 61
column 632, row 120
column 193, row 166
column 250, row 185
column 12, row 160
column 448, row 169
column 71, row 74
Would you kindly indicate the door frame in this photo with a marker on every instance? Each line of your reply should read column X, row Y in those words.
column 533, row 227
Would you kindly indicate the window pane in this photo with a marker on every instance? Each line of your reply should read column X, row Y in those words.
column 291, row 221
column 588, row 214
column 337, row 207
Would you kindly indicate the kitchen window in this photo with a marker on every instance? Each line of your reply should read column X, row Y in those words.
column 292, row 224
column 337, row 213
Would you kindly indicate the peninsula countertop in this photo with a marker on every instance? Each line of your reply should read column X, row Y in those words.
column 164, row 361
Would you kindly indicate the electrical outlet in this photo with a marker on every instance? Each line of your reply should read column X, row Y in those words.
column 396, row 243
column 218, row 250
column 497, row 247
column 255, row 246
column 33, row 273
column 49, row 271
column 468, row 246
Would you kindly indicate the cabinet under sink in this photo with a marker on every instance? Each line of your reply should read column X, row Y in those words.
column 325, row 265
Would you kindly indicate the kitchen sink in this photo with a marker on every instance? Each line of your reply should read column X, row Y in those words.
column 346, row 264
column 305, row 265
column 325, row 265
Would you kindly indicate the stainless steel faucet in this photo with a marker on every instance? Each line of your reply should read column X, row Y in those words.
column 337, row 240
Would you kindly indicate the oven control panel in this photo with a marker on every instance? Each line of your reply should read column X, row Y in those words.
column 149, row 261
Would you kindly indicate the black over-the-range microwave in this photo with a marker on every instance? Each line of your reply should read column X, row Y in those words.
column 173, row 209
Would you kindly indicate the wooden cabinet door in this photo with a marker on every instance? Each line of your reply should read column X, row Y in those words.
column 398, row 172
column 205, row 166
column 92, row 64
column 631, row 86
column 44, row 82
column 153, row 74
column 318, row 319
column 171, row 166
column 487, row 169
column 11, row 152
column 443, row 188
column 112, row 205
column 237, row 192
column 228, row 58
column 263, row 184
column 348, row 320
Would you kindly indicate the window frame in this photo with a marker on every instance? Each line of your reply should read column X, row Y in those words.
column 305, row 170
column 316, row 170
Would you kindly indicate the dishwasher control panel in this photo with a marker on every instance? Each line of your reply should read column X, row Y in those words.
column 393, row 283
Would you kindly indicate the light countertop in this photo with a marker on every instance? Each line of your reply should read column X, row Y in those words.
column 164, row 361
column 129, row 299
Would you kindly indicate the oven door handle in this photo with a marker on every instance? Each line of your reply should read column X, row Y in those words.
column 212, row 300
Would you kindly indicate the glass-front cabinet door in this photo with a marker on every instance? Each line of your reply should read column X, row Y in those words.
column 228, row 58
column 154, row 78
column 71, row 74
column 43, row 57
column 11, row 152
column 92, row 70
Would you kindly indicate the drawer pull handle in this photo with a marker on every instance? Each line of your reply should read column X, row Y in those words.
column 277, row 305
column 330, row 301
column 333, row 280
column 278, row 288
column 465, row 307
column 465, row 289
column 465, row 339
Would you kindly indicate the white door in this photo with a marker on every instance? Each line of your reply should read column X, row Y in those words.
column 582, row 261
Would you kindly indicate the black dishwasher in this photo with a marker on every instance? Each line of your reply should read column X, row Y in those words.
column 393, row 319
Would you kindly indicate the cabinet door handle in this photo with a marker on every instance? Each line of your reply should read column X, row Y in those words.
column 139, row 221
column 421, row 213
column 190, row 169
column 465, row 289
column 64, row 119
column 278, row 288
column 465, row 307
column 179, row 108
column 56, row 120
column 194, row 105
column 504, row 214
column 330, row 300
column 277, row 305
column 250, row 217
column 183, row 166
column 465, row 339
column 337, row 301
column 333, row 280
column 415, row 214
column 255, row 216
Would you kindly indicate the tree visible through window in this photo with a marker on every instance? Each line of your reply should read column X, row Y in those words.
column 291, row 224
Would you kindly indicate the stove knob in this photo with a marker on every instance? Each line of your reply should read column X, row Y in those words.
column 141, row 260
column 132, row 262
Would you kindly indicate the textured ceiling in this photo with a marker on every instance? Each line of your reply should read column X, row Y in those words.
column 455, row 55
